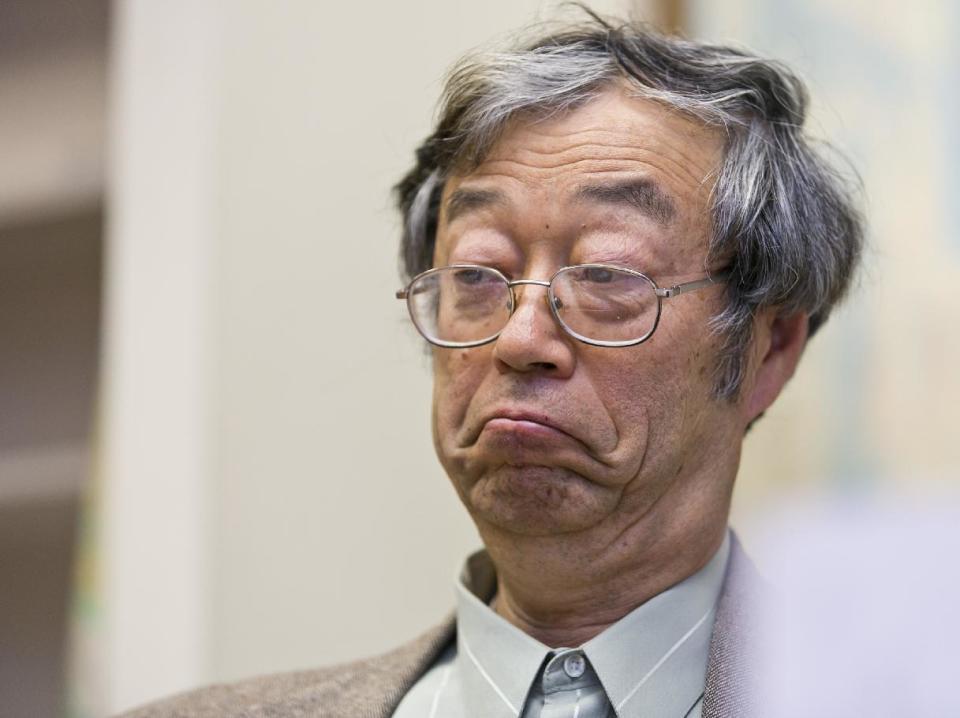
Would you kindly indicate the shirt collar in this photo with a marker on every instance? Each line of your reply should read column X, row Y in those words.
column 653, row 661
column 496, row 660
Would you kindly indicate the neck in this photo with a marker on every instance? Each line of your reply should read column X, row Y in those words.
column 563, row 590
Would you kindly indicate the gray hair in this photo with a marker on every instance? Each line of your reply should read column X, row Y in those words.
column 783, row 219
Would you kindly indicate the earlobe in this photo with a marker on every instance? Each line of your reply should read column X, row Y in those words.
column 779, row 342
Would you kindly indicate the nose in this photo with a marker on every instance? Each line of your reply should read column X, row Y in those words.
column 533, row 340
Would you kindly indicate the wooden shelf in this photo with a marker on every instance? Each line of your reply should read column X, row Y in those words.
column 40, row 473
column 53, row 128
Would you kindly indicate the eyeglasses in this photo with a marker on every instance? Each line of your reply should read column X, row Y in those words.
column 466, row 305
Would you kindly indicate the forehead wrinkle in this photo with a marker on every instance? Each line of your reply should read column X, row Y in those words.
column 675, row 147
column 596, row 163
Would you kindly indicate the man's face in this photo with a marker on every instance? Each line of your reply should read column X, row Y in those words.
column 540, row 433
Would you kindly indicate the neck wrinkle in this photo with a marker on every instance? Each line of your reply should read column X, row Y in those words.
column 572, row 615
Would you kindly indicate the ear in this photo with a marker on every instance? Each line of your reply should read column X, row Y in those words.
column 779, row 340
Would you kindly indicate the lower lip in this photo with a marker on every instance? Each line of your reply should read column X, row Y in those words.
column 522, row 427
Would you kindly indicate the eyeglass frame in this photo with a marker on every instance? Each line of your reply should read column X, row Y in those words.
column 660, row 292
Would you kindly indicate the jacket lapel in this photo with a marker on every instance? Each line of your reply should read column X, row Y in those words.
column 732, row 684
column 386, row 679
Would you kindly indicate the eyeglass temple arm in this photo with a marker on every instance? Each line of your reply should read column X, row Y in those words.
column 401, row 294
column 678, row 289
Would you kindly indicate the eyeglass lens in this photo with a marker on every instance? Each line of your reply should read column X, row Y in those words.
column 466, row 305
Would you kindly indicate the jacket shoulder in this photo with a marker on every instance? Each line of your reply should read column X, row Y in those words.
column 370, row 687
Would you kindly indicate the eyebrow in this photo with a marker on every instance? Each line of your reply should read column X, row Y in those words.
column 465, row 200
column 643, row 195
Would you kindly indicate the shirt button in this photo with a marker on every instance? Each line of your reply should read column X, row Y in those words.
column 574, row 665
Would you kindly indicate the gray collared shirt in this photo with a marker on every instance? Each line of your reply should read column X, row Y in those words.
column 652, row 662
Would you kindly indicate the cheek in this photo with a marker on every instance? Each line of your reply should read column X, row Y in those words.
column 685, row 397
column 457, row 373
column 651, row 394
column 636, row 395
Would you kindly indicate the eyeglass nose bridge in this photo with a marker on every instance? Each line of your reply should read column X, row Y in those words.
column 537, row 282
column 553, row 303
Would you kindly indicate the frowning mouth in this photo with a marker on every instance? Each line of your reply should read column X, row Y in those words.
column 524, row 423
column 521, row 427
column 525, row 440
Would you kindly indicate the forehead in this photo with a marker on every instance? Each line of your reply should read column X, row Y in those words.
column 613, row 131
column 618, row 160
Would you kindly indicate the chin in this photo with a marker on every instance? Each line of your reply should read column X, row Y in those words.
column 538, row 500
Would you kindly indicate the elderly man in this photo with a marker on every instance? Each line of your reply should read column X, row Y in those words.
column 618, row 245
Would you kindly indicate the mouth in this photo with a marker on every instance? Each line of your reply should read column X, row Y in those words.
column 515, row 435
column 524, row 423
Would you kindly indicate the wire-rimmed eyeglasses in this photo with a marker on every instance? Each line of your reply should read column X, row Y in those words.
column 467, row 305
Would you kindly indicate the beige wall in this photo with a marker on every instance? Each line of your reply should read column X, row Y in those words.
column 270, row 495
column 336, row 533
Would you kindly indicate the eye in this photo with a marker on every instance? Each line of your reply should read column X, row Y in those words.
column 597, row 275
column 471, row 276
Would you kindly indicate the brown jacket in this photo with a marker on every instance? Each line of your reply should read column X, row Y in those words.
column 372, row 688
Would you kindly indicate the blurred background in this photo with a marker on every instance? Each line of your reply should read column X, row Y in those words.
column 215, row 456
